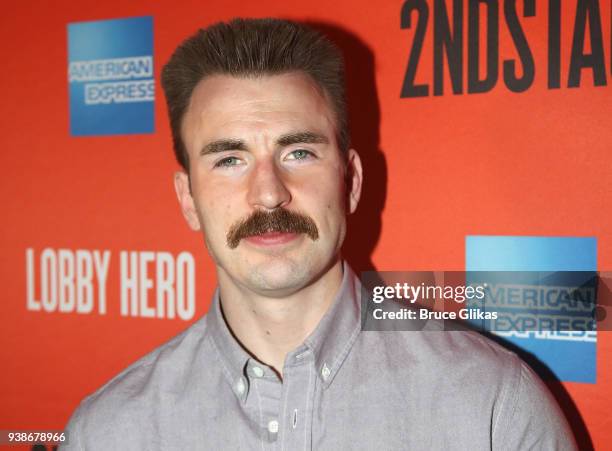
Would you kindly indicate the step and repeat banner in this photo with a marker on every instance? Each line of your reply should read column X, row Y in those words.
column 485, row 131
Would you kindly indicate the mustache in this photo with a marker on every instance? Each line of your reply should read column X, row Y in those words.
column 278, row 220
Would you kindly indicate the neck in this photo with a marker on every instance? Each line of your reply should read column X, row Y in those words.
column 270, row 327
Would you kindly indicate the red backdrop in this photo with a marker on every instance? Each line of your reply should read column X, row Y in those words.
column 437, row 168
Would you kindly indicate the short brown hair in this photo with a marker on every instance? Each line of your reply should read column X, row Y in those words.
column 247, row 48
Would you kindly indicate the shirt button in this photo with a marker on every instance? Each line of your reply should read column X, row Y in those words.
column 325, row 371
column 257, row 372
column 273, row 426
column 240, row 387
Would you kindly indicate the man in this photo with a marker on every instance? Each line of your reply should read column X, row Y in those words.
column 259, row 125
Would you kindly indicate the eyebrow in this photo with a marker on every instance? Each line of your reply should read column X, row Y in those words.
column 303, row 137
column 223, row 145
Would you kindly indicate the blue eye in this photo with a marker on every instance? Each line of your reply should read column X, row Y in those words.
column 229, row 161
column 300, row 154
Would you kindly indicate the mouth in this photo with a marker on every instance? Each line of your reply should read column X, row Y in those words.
column 272, row 238
column 272, row 228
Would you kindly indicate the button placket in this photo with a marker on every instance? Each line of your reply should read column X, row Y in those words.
column 273, row 426
column 265, row 392
column 296, row 401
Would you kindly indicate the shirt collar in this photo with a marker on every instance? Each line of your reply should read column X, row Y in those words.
column 330, row 342
column 232, row 355
column 335, row 334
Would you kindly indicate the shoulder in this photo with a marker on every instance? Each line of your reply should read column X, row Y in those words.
column 160, row 366
column 135, row 392
column 460, row 368
column 474, row 377
column 437, row 350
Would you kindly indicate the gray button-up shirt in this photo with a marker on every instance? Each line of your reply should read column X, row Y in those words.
column 342, row 389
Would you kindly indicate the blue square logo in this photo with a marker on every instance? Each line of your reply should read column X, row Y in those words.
column 570, row 357
column 110, row 76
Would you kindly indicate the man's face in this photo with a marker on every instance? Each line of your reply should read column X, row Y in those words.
column 261, row 145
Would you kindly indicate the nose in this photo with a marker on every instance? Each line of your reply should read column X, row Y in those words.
column 267, row 189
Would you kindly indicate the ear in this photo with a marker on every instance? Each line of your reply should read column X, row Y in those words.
column 354, row 179
column 183, row 192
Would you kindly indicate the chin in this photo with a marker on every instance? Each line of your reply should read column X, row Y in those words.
column 276, row 273
column 280, row 276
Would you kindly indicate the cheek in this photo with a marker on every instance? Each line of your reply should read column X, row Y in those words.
column 329, row 201
column 339, row 205
column 209, row 212
column 219, row 216
column 337, row 190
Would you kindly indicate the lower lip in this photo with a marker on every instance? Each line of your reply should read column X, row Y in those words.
column 270, row 239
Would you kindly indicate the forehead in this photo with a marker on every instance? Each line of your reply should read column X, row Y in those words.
column 224, row 104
